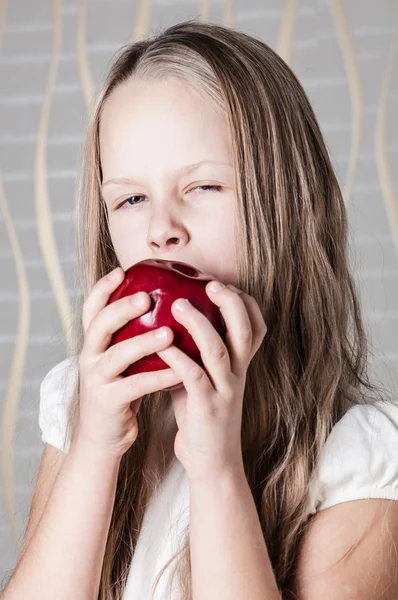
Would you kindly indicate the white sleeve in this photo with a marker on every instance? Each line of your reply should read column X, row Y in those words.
column 55, row 393
column 359, row 459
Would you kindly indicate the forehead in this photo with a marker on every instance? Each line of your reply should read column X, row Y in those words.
column 163, row 123
column 164, row 95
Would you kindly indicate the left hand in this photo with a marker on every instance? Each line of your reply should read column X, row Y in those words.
column 208, row 409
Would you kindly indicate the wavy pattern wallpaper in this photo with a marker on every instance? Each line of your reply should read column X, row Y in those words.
column 53, row 55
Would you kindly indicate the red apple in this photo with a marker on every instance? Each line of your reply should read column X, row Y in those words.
column 165, row 281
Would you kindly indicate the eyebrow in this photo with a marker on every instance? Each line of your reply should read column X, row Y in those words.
column 185, row 169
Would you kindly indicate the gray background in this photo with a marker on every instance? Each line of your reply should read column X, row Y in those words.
column 53, row 57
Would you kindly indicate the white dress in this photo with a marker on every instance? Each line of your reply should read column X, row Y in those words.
column 359, row 460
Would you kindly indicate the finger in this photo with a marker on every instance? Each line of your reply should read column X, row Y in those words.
column 111, row 318
column 239, row 336
column 120, row 356
column 213, row 351
column 136, row 386
column 259, row 328
column 194, row 378
column 99, row 295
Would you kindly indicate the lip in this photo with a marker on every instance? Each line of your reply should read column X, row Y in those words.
column 173, row 259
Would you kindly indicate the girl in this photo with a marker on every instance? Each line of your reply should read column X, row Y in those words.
column 212, row 483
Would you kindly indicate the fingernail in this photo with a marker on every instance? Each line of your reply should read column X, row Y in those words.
column 161, row 333
column 182, row 304
column 137, row 298
column 216, row 286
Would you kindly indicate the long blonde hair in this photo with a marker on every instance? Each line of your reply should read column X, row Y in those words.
column 292, row 258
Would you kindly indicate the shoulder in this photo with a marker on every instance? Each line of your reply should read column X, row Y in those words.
column 348, row 551
column 59, row 373
column 358, row 459
column 56, row 391
column 356, row 481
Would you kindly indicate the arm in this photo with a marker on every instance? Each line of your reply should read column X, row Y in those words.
column 64, row 558
column 349, row 552
column 227, row 544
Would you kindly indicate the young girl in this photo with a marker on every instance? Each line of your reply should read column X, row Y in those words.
column 271, row 473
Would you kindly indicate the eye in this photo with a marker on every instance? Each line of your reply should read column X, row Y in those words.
column 212, row 187
column 217, row 188
column 127, row 200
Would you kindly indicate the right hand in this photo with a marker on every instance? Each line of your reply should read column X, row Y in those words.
column 109, row 402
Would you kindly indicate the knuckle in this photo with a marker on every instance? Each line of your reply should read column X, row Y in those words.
column 85, row 313
column 108, row 358
column 196, row 373
column 133, row 431
column 261, row 333
column 86, row 301
column 218, row 351
column 136, row 385
column 81, row 363
column 83, row 358
column 246, row 335
column 86, row 361
column 91, row 325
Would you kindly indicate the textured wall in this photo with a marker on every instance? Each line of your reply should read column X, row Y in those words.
column 53, row 55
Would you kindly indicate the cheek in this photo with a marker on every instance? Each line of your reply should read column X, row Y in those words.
column 216, row 233
column 223, row 231
column 220, row 236
column 121, row 236
column 116, row 237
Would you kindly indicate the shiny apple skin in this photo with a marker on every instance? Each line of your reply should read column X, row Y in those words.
column 165, row 281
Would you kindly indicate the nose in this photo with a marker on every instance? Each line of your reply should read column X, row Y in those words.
column 166, row 231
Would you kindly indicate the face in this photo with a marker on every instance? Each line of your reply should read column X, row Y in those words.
column 149, row 135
